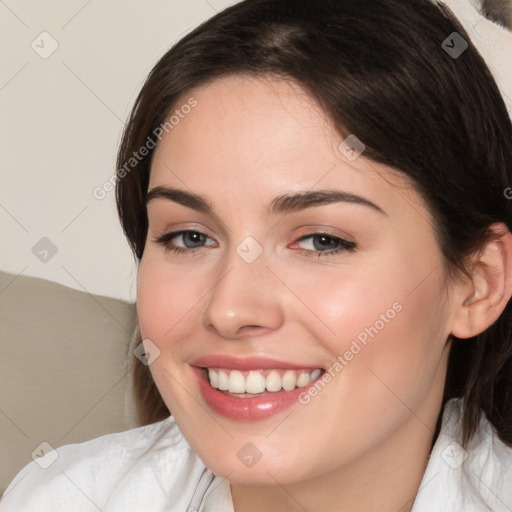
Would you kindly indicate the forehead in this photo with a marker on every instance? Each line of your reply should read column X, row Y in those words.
column 251, row 119
column 263, row 137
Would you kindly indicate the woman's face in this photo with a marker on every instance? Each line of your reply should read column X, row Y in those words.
column 255, row 289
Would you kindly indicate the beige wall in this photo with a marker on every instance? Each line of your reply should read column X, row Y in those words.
column 61, row 117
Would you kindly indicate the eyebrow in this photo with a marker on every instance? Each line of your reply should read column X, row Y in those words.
column 285, row 203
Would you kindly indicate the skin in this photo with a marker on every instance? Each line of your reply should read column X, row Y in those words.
column 363, row 442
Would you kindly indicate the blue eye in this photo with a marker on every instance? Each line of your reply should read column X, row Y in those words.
column 327, row 245
column 194, row 237
column 323, row 244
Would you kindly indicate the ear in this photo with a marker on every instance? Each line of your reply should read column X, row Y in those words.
column 481, row 300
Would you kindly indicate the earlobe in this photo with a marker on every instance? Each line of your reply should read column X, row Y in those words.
column 490, row 287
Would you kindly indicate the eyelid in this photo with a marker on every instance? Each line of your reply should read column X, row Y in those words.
column 315, row 229
column 158, row 212
column 180, row 227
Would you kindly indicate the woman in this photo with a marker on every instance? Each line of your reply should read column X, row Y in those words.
column 316, row 194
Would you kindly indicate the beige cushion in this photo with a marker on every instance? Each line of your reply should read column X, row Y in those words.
column 63, row 372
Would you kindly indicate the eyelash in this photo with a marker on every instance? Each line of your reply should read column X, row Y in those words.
column 345, row 245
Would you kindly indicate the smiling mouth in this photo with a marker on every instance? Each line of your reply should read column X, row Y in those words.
column 247, row 384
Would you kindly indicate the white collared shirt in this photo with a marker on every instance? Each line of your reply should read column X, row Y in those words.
column 154, row 468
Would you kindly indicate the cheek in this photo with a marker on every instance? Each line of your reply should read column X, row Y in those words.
column 385, row 349
column 347, row 303
column 388, row 319
column 165, row 305
column 164, row 299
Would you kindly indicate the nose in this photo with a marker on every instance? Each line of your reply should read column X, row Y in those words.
column 244, row 300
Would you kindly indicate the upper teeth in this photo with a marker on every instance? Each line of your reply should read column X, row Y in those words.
column 257, row 381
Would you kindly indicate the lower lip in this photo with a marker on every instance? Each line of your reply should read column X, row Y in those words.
column 246, row 409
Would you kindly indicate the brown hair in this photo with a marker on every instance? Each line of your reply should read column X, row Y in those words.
column 380, row 70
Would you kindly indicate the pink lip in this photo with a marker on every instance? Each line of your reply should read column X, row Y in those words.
column 246, row 363
column 245, row 409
